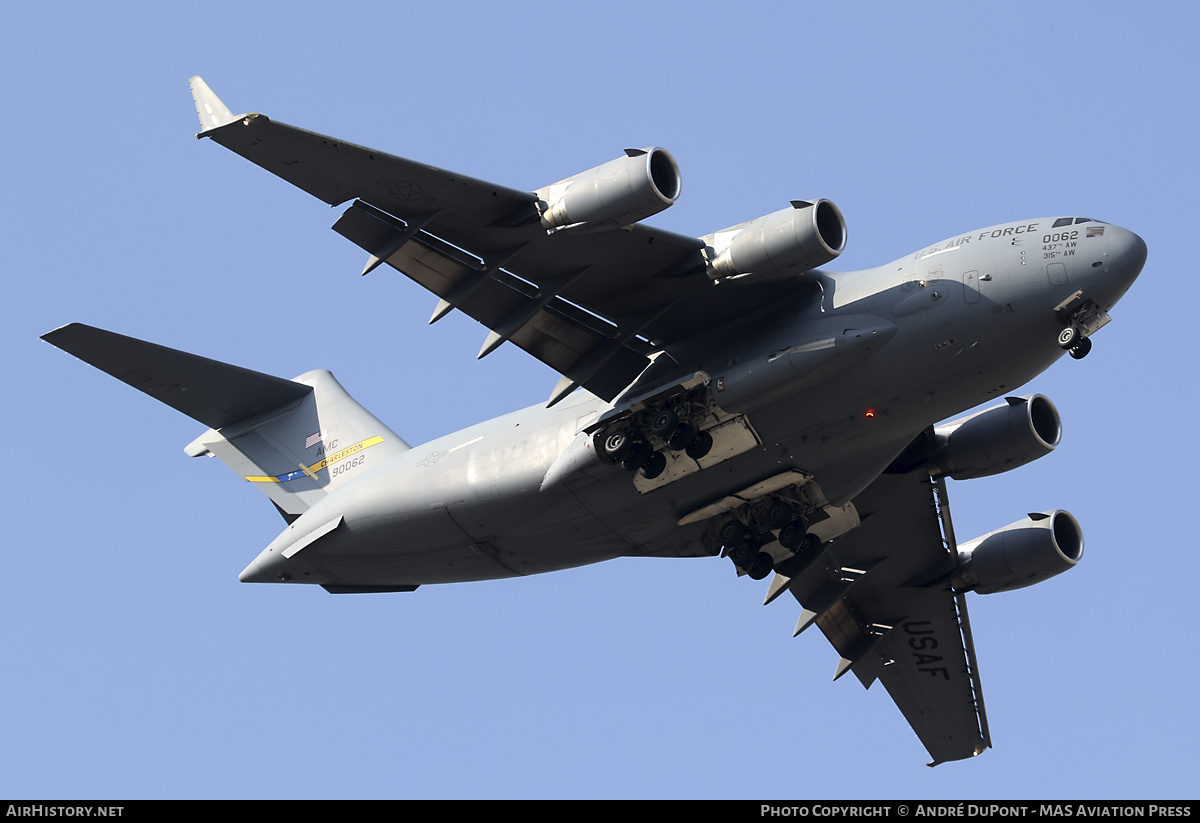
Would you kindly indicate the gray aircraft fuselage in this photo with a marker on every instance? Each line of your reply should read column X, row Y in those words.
column 720, row 394
column 836, row 383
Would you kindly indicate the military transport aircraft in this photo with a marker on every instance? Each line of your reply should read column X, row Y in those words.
column 720, row 395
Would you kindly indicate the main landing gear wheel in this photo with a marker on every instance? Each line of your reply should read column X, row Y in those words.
column 1080, row 350
column 793, row 538
column 654, row 465
column 617, row 445
column 732, row 532
column 701, row 445
column 598, row 441
column 778, row 515
column 763, row 565
column 791, row 535
column 683, row 435
column 809, row 544
column 744, row 554
column 1069, row 337
column 638, row 454
column 665, row 423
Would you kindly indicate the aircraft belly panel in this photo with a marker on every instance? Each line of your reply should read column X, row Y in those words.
column 457, row 565
column 428, row 547
column 538, row 531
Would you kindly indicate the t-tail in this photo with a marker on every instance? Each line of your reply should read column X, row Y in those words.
column 297, row 440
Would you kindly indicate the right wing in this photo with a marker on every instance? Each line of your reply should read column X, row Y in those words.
column 882, row 597
column 592, row 305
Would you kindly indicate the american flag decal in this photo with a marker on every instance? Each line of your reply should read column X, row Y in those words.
column 312, row 440
column 1095, row 231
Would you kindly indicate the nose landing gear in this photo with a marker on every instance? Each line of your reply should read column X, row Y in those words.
column 1069, row 336
column 1083, row 318
column 1072, row 340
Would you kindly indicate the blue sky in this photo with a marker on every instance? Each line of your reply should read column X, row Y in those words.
column 136, row 665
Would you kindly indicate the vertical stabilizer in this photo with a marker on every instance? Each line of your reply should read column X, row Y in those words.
column 300, row 452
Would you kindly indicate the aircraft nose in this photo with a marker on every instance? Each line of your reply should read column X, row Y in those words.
column 1124, row 257
column 1128, row 253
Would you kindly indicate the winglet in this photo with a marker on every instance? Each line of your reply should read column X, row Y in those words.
column 209, row 108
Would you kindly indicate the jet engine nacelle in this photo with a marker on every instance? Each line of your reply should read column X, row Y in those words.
column 997, row 439
column 1021, row 554
column 801, row 237
column 618, row 193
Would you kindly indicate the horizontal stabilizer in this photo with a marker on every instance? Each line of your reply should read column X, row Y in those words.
column 214, row 393
column 296, row 440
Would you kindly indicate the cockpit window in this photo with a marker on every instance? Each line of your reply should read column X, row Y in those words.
column 1066, row 221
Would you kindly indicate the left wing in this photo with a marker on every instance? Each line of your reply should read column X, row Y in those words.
column 590, row 304
column 881, row 595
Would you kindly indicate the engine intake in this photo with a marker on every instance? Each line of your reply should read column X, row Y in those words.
column 997, row 439
column 619, row 193
column 1021, row 554
column 805, row 235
